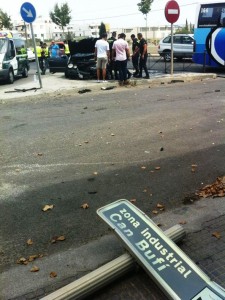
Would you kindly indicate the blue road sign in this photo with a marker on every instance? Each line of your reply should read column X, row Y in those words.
column 28, row 12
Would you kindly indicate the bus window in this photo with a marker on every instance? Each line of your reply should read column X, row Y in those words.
column 210, row 15
column 222, row 18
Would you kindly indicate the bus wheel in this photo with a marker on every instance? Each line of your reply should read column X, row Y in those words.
column 10, row 76
column 25, row 72
column 167, row 56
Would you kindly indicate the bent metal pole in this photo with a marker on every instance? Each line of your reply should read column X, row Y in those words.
column 106, row 274
column 36, row 58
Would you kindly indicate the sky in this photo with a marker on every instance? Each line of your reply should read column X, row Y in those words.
column 117, row 13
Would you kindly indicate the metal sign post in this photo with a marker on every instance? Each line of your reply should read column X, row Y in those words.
column 176, row 274
column 172, row 13
column 171, row 66
column 28, row 14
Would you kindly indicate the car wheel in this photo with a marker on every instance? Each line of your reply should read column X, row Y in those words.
column 167, row 56
column 10, row 78
column 25, row 72
column 66, row 74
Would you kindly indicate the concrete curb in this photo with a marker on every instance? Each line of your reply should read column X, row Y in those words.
column 56, row 84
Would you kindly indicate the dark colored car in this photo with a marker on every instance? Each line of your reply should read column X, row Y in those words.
column 81, row 64
column 59, row 63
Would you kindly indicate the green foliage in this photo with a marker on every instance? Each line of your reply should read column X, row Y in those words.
column 102, row 29
column 186, row 26
column 5, row 20
column 61, row 15
column 145, row 6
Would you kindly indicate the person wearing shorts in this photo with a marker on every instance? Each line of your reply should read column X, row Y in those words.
column 102, row 56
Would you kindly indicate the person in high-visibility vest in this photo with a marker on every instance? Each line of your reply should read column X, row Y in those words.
column 67, row 50
column 38, row 50
column 44, row 57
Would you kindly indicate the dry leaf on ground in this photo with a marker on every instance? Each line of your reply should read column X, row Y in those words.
column 193, row 168
column 155, row 212
column 61, row 238
column 29, row 242
column 57, row 238
column 143, row 167
column 22, row 261
column 53, row 274
column 216, row 234
column 216, row 189
column 182, row 222
column 34, row 269
column 157, row 168
column 32, row 257
column 160, row 205
column 85, row 206
column 47, row 207
column 133, row 200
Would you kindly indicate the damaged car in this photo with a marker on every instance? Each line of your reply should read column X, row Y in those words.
column 81, row 64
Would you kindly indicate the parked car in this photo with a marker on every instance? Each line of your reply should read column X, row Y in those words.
column 59, row 63
column 13, row 59
column 183, row 45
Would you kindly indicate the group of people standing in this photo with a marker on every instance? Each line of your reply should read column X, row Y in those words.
column 44, row 52
column 114, row 54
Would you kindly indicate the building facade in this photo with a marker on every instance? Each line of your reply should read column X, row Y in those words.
column 45, row 29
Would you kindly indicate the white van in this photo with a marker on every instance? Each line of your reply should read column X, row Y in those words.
column 13, row 59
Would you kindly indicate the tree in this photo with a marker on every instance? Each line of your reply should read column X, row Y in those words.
column 102, row 29
column 186, row 26
column 61, row 15
column 145, row 6
column 5, row 20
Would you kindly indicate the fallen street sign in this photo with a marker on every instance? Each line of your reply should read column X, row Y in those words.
column 165, row 262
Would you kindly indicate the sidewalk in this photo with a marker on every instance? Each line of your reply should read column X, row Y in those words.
column 55, row 84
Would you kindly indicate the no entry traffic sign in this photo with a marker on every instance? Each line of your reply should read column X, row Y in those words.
column 172, row 11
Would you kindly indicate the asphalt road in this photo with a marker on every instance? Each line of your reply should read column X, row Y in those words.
column 135, row 143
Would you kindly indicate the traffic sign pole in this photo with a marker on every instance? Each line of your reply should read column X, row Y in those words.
column 172, row 13
column 171, row 66
column 36, row 57
column 28, row 13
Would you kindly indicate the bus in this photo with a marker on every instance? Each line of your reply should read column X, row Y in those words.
column 209, row 34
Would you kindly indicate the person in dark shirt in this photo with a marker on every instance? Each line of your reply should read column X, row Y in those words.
column 135, row 54
column 143, row 56
column 111, row 65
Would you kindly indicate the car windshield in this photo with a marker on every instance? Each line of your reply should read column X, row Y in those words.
column 3, row 46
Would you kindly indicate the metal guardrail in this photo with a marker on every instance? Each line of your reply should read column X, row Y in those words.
column 157, row 63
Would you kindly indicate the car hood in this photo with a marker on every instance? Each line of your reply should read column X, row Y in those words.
column 85, row 46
